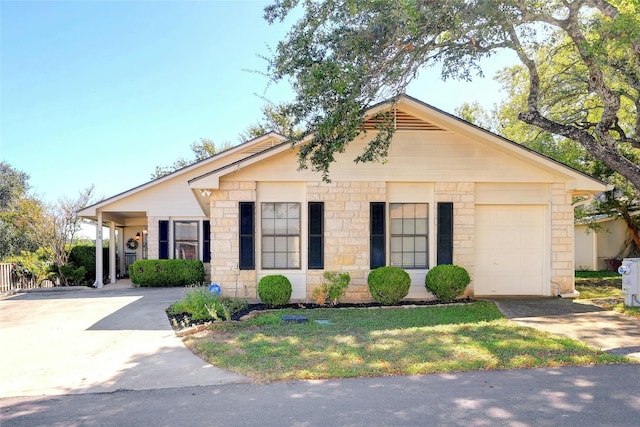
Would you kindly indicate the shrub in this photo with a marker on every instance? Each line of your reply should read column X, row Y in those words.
column 447, row 281
column 274, row 290
column 85, row 256
column 167, row 272
column 201, row 304
column 388, row 285
column 333, row 288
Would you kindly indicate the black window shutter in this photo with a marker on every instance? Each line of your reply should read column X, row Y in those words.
column 445, row 233
column 206, row 241
column 377, row 255
column 316, row 235
column 163, row 233
column 247, row 236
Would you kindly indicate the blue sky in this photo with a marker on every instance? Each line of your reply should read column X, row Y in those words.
column 102, row 92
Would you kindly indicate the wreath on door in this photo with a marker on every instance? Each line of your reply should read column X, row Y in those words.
column 132, row 244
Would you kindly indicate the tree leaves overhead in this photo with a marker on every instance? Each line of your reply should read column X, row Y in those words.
column 343, row 56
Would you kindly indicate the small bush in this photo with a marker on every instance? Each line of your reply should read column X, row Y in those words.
column 447, row 281
column 274, row 290
column 334, row 288
column 388, row 285
column 166, row 272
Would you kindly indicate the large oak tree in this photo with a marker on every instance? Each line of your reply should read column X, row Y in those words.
column 343, row 56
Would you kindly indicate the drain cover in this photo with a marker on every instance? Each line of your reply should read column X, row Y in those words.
column 294, row 319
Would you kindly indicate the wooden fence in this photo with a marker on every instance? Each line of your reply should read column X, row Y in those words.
column 10, row 281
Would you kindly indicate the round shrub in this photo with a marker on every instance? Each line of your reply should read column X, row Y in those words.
column 388, row 285
column 274, row 290
column 447, row 281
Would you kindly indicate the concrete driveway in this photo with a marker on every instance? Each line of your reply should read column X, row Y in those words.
column 84, row 340
column 607, row 330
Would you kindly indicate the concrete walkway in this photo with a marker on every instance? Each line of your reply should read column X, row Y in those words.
column 82, row 340
column 607, row 330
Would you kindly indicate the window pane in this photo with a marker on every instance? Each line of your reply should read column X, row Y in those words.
column 268, row 260
column 421, row 226
column 408, row 226
column 280, row 260
column 293, row 210
column 293, row 260
column 396, row 244
column 186, row 231
column 268, row 210
column 293, row 226
column 408, row 210
column 421, row 259
column 186, row 250
column 396, row 259
column 421, row 210
column 280, row 226
column 408, row 244
column 268, row 244
column 268, row 226
column 407, row 260
column 396, row 226
column 395, row 210
column 280, row 244
column 420, row 244
column 281, row 210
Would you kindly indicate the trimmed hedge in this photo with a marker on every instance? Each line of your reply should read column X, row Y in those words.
column 274, row 290
column 447, row 281
column 388, row 285
column 167, row 272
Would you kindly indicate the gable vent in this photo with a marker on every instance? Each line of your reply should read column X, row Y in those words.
column 257, row 148
column 403, row 121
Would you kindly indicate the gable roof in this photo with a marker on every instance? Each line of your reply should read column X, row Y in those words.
column 409, row 114
column 244, row 150
column 412, row 114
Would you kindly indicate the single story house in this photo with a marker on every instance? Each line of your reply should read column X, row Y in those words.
column 449, row 192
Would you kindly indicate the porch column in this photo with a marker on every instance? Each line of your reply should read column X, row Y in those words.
column 98, row 283
column 112, row 252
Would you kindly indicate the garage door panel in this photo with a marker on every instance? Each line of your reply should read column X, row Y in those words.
column 510, row 247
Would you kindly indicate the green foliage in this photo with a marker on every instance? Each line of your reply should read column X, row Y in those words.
column 274, row 290
column 85, row 256
column 166, row 272
column 200, row 304
column 334, row 287
column 447, row 281
column 34, row 265
column 388, row 285
column 579, row 73
column 72, row 275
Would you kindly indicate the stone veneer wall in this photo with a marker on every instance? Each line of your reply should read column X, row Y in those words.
column 346, row 232
column 462, row 194
column 562, row 229
column 224, row 239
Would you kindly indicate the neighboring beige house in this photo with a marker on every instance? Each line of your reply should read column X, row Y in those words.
column 592, row 248
column 448, row 192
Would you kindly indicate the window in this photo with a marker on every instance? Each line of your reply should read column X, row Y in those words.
column 316, row 236
column 409, row 233
column 185, row 237
column 280, row 235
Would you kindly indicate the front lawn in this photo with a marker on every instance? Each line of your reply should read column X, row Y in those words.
column 385, row 341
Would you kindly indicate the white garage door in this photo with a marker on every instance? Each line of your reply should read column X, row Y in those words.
column 510, row 255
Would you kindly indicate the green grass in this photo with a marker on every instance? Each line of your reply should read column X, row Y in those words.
column 393, row 341
column 606, row 292
column 586, row 274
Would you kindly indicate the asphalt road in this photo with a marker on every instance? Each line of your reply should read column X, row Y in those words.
column 573, row 396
